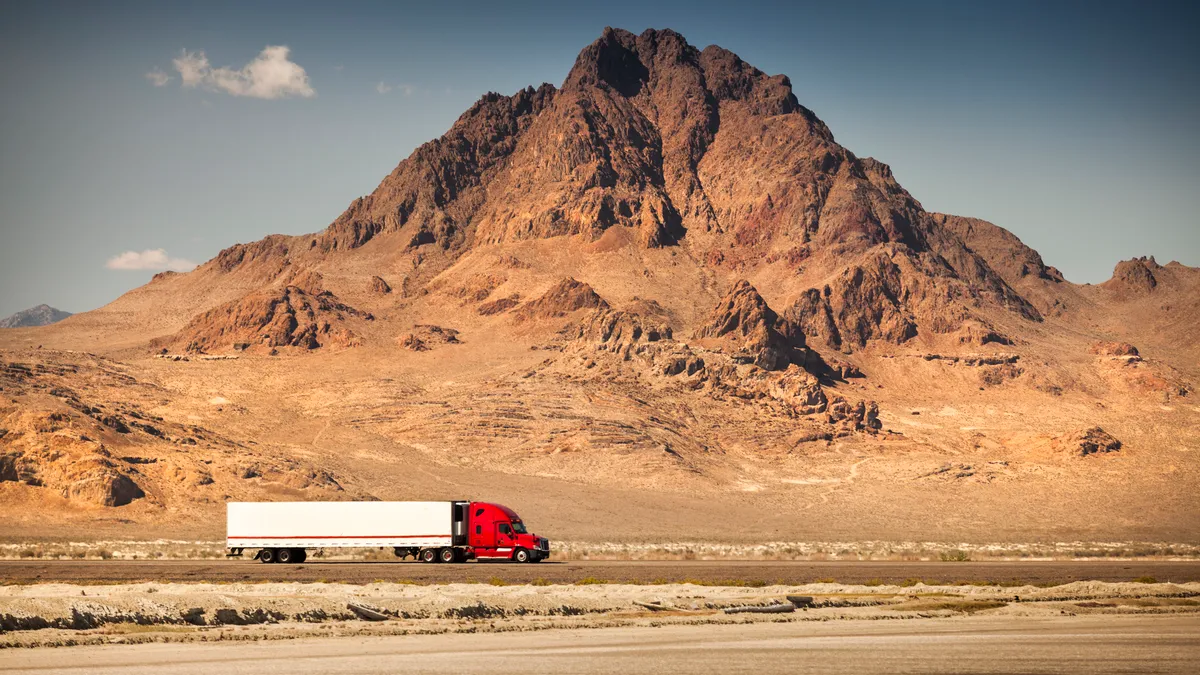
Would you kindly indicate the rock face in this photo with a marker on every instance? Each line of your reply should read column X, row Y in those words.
column 1001, row 249
column 563, row 298
column 1137, row 275
column 744, row 321
column 274, row 318
column 42, row 315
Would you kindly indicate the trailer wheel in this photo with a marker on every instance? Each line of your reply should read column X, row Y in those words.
column 429, row 555
column 267, row 555
column 521, row 555
column 286, row 555
column 447, row 555
column 301, row 555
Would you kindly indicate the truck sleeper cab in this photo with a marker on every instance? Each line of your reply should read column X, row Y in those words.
column 428, row 531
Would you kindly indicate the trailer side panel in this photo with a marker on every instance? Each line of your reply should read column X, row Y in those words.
column 338, row 524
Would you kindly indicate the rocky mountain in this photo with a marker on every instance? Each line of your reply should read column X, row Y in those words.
column 663, row 285
column 42, row 315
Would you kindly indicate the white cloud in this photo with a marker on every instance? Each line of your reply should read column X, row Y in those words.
column 270, row 75
column 383, row 88
column 150, row 259
column 158, row 78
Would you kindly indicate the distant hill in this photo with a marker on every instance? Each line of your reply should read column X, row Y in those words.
column 42, row 315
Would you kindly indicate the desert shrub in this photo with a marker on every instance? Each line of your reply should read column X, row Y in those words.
column 590, row 581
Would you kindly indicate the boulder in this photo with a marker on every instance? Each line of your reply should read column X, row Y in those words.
column 424, row 337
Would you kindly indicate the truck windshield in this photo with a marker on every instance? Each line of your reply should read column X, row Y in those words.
column 519, row 527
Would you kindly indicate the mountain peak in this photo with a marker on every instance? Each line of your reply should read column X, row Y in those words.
column 41, row 315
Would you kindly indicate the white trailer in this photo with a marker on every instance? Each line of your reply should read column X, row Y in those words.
column 283, row 530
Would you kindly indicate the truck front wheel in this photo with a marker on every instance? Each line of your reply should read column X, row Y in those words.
column 429, row 555
column 521, row 555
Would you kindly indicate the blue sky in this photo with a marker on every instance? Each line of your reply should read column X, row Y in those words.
column 1071, row 124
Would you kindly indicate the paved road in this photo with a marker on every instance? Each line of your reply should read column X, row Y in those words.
column 1046, row 572
column 1116, row 644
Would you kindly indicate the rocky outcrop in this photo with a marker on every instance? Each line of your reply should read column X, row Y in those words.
column 379, row 286
column 1137, row 275
column 1114, row 349
column 560, row 300
column 78, row 471
column 1087, row 442
column 477, row 287
column 425, row 337
column 274, row 318
column 864, row 303
column 499, row 305
column 621, row 330
column 744, row 323
column 976, row 334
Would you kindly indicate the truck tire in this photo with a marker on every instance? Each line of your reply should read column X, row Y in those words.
column 285, row 556
column 301, row 555
column 429, row 555
column 447, row 555
column 267, row 555
column 521, row 555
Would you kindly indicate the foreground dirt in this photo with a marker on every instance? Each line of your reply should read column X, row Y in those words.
column 71, row 614
column 1040, row 573
column 1095, row 644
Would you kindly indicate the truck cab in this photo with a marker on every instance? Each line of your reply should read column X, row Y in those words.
column 497, row 532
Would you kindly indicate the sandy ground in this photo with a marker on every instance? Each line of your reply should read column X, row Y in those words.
column 759, row 572
column 1095, row 644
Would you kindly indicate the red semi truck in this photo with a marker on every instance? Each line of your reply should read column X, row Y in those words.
column 428, row 531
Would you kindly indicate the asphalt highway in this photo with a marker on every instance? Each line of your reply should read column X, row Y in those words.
column 750, row 572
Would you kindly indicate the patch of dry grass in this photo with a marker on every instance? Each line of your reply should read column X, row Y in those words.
column 961, row 606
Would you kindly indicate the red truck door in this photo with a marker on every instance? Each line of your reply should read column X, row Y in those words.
column 483, row 530
column 504, row 538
